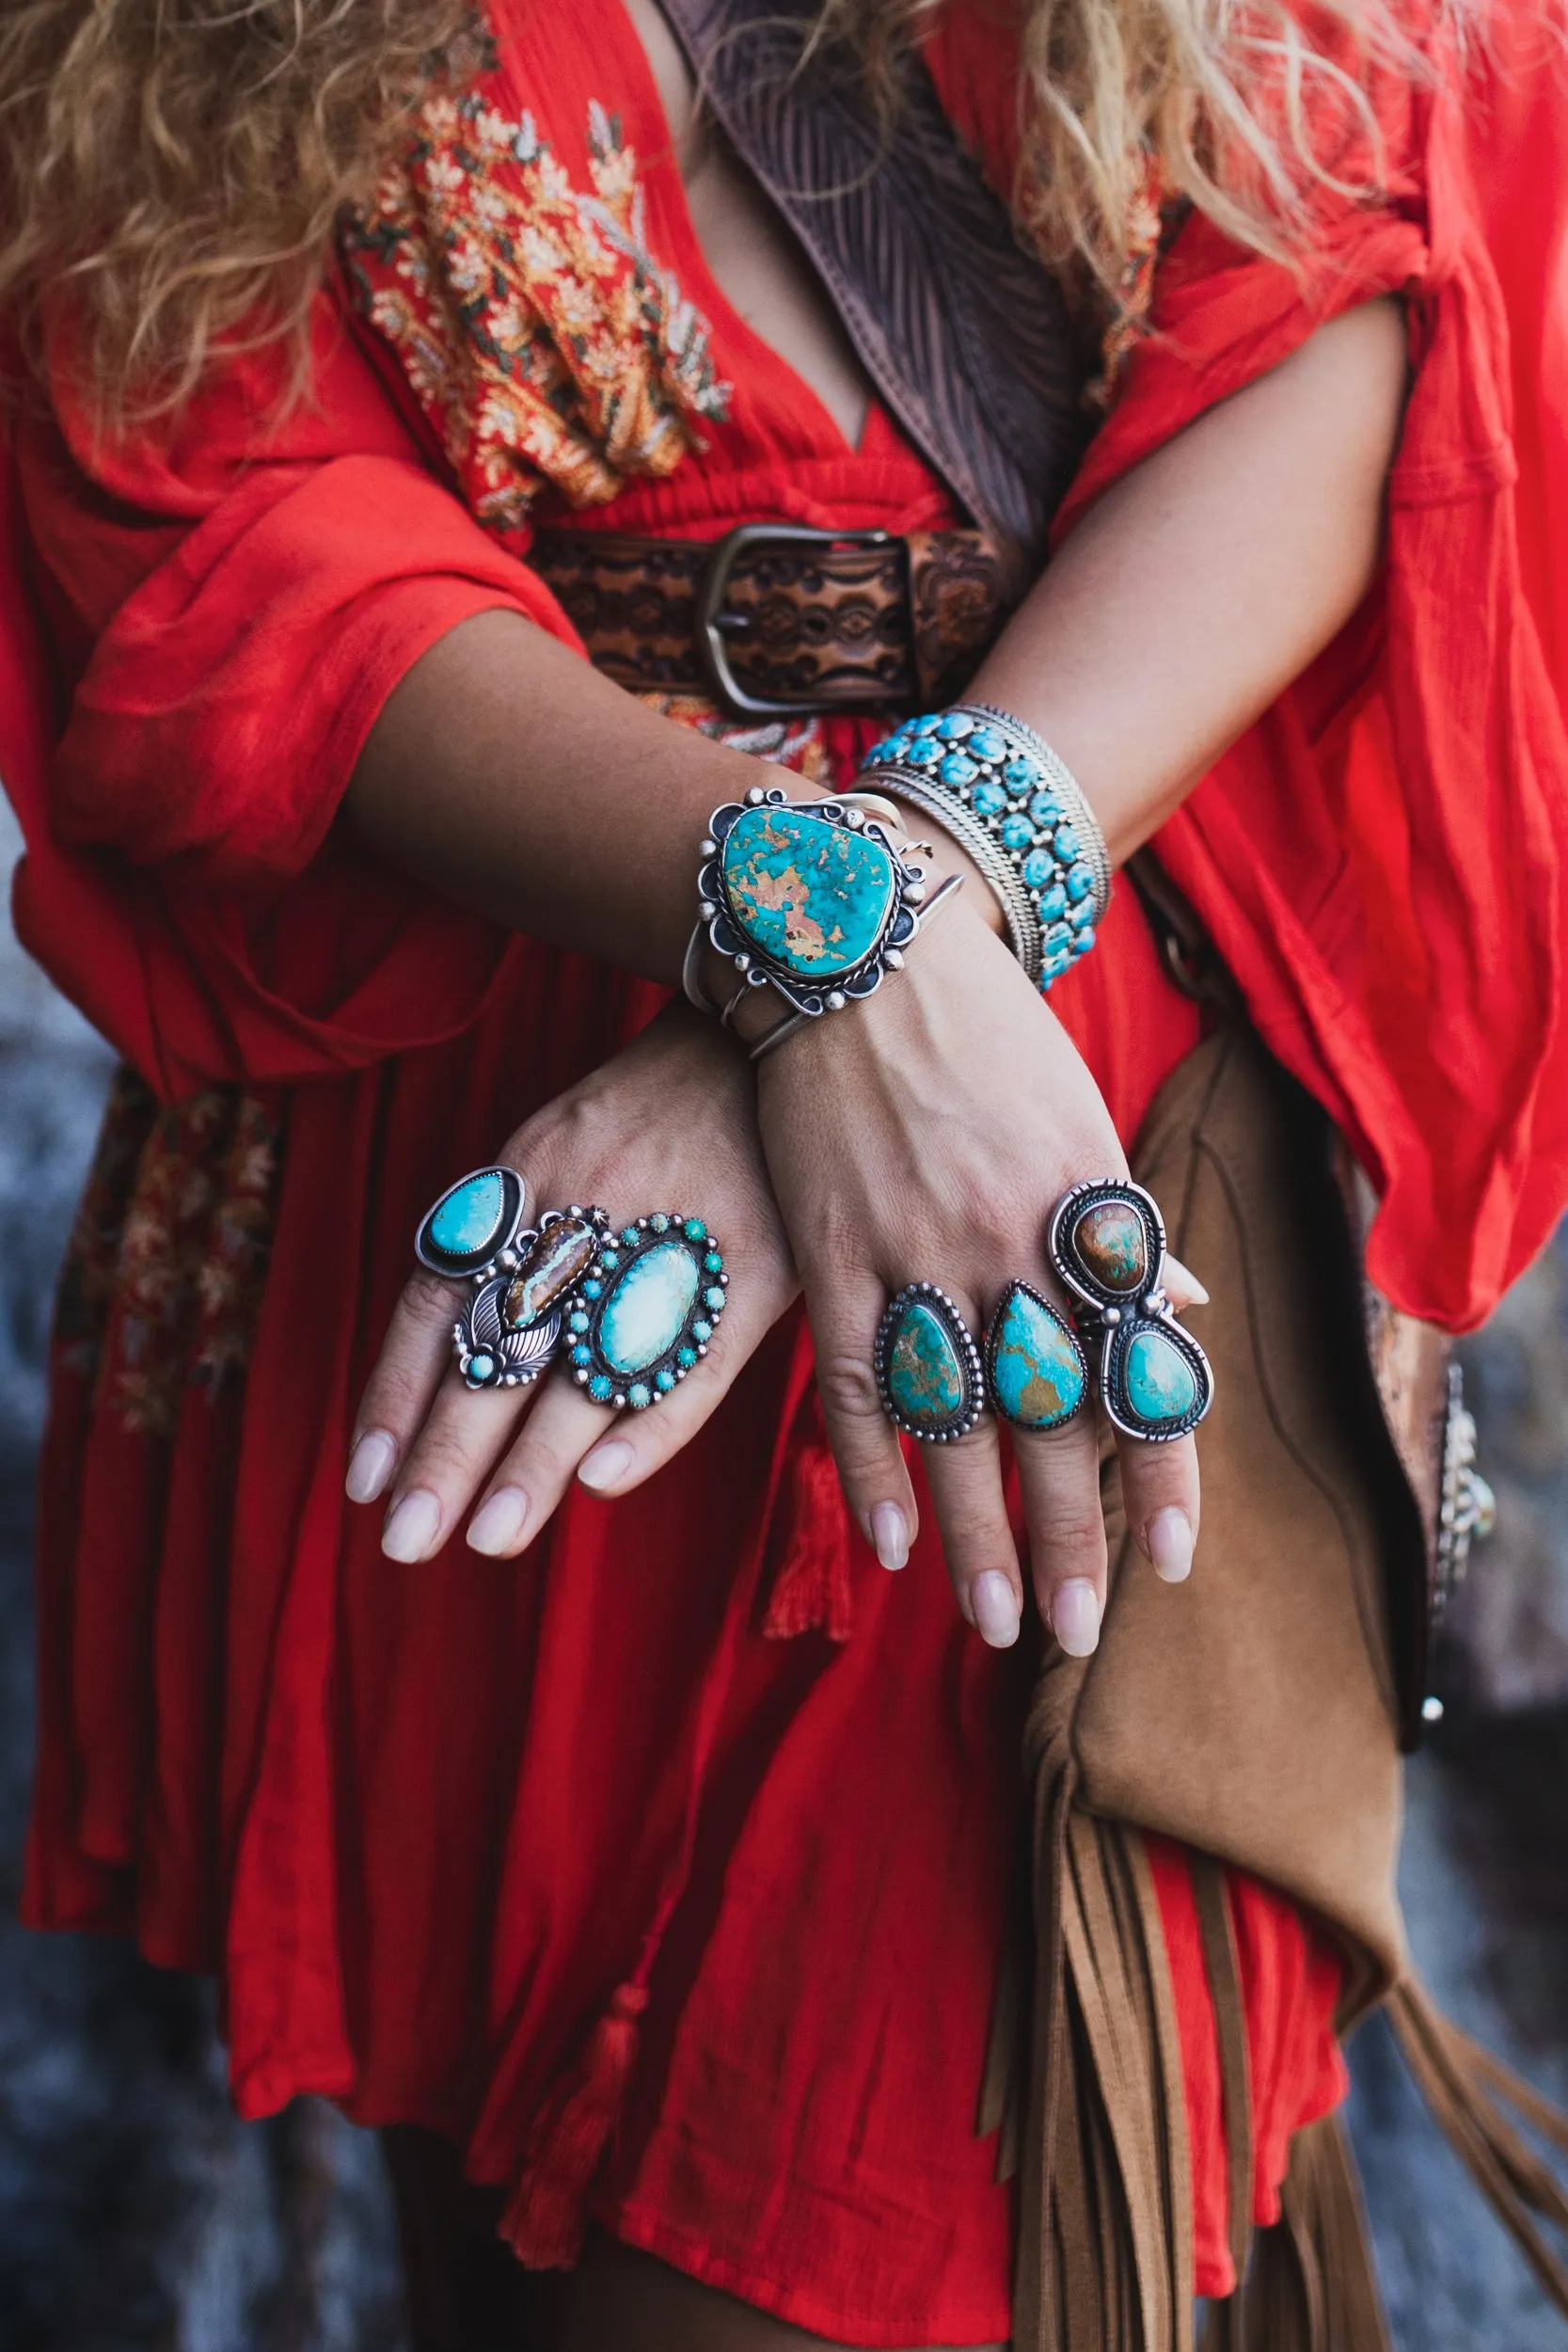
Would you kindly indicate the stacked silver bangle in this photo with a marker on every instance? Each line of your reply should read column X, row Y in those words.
column 1013, row 806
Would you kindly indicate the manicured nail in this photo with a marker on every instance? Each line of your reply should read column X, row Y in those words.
column 1169, row 1541
column 890, row 1535
column 414, row 1523
column 996, row 1606
column 603, row 1469
column 1075, row 1617
column 498, row 1523
column 1180, row 1278
column 369, row 1466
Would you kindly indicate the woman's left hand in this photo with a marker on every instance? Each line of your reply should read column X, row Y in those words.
column 670, row 1123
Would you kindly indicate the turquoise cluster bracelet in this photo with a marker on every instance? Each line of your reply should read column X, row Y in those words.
column 1005, row 796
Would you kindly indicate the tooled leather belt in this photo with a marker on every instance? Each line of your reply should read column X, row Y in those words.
column 774, row 619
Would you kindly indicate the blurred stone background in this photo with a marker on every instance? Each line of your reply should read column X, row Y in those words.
column 136, row 2216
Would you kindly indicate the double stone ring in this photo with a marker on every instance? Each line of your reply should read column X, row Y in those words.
column 632, row 1310
column 1106, row 1242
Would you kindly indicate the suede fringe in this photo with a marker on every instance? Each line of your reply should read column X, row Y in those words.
column 1467, row 2091
column 1105, row 2236
column 1309, row 2286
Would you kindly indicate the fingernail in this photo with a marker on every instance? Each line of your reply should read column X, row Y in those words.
column 1075, row 1617
column 414, row 1523
column 1185, row 1280
column 606, row 1466
column 1169, row 1541
column 369, row 1466
column 890, row 1536
column 498, row 1522
column 996, row 1606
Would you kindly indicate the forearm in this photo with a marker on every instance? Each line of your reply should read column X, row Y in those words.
column 508, row 774
column 1208, row 578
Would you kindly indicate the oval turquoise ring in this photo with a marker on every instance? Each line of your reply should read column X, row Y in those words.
column 1107, row 1241
column 509, row 1330
column 644, row 1312
column 928, row 1367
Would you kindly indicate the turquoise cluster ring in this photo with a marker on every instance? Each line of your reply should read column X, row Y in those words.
column 520, row 1277
column 809, row 897
column 1107, row 1243
column 644, row 1312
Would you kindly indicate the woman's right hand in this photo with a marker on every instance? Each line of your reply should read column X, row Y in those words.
column 925, row 1135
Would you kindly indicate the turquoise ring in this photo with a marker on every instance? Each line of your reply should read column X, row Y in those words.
column 1107, row 1243
column 645, row 1310
column 928, row 1372
column 1036, row 1373
column 809, row 897
column 519, row 1276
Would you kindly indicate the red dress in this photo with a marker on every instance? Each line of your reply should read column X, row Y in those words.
column 446, row 1830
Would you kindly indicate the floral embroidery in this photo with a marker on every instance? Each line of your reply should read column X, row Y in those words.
column 163, row 1279
column 1152, row 218
column 534, row 322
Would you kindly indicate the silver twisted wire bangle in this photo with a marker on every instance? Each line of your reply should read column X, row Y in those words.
column 975, row 837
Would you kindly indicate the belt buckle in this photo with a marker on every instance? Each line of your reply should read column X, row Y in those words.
column 711, row 650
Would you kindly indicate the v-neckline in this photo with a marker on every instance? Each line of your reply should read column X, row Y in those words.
column 660, row 157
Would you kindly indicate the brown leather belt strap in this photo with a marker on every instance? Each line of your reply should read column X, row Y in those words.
column 775, row 620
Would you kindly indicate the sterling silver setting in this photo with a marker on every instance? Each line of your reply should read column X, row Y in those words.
column 1125, row 1316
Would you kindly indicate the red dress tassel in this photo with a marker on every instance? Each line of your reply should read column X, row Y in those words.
column 547, row 2215
column 811, row 1589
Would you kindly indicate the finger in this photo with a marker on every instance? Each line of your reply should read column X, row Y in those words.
column 414, row 1353
column 613, row 1455
column 1181, row 1286
column 871, row 1466
column 1160, row 1488
column 1058, row 1476
column 445, row 1466
column 971, row 1509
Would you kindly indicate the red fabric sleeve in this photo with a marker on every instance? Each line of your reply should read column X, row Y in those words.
column 1380, row 861
column 229, row 611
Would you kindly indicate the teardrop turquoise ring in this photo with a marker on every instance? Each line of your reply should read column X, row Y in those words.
column 928, row 1372
column 518, row 1276
column 645, row 1310
column 1035, row 1375
column 1107, row 1241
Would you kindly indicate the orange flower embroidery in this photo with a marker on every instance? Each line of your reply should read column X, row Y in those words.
column 536, row 328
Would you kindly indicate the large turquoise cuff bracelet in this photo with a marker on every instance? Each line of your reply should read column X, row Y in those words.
column 1004, row 794
column 811, row 897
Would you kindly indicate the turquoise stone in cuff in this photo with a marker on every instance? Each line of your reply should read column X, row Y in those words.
column 1036, row 1370
column 813, row 897
column 646, row 1307
column 1157, row 1383
column 925, row 1371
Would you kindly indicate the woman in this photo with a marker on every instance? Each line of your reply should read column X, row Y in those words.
column 630, row 1836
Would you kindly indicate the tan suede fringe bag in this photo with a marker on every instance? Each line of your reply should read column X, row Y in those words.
column 1259, row 1721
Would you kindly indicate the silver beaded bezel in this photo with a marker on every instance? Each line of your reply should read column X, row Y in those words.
column 584, row 1310
column 829, row 993
column 948, row 1314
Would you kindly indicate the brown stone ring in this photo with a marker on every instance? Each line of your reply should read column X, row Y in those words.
column 521, row 1278
column 1107, row 1243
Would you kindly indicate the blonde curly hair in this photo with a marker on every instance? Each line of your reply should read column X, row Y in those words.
column 172, row 170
